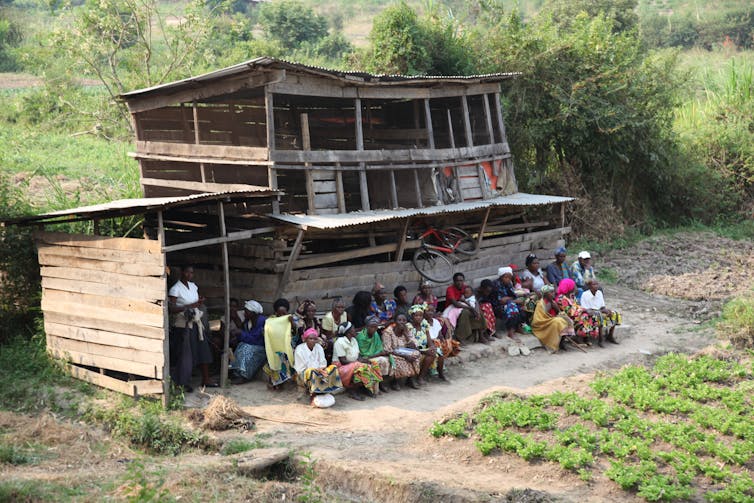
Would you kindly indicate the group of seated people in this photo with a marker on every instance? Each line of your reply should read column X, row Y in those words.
column 378, row 343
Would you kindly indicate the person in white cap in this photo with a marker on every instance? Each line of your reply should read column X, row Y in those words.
column 582, row 271
column 250, row 352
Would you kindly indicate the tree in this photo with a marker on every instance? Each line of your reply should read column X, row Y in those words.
column 291, row 23
column 10, row 37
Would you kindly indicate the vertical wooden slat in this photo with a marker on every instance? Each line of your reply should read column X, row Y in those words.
column 269, row 108
column 467, row 121
column 306, row 144
column 488, row 119
column 453, row 145
column 234, row 125
column 482, row 180
column 185, row 124
column 226, row 283
column 417, row 189
column 289, row 266
column 166, row 379
column 428, row 119
column 339, row 189
column 483, row 228
column 393, row 190
column 197, row 138
column 499, row 113
column 363, row 186
column 402, row 242
column 562, row 215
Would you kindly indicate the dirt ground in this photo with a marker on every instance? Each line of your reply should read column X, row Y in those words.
column 380, row 449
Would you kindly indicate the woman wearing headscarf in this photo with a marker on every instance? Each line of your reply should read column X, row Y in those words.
column 250, row 353
column 279, row 343
column 307, row 311
column 312, row 371
column 558, row 270
column 418, row 328
column 507, row 308
column 587, row 326
column 549, row 324
column 402, row 347
column 425, row 295
column 535, row 273
column 370, row 346
column 354, row 369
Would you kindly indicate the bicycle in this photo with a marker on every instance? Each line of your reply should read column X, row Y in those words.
column 433, row 257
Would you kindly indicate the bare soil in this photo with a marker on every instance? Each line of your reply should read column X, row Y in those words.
column 380, row 449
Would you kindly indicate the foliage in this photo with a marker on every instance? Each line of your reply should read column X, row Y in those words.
column 729, row 27
column 737, row 324
column 13, row 455
column 312, row 492
column 291, row 23
column 144, row 424
column 237, row 445
column 665, row 432
column 621, row 13
column 10, row 38
column 143, row 486
column 36, row 490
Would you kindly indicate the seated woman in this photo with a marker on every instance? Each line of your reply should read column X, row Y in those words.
column 312, row 371
column 359, row 310
column 334, row 318
column 307, row 312
column 353, row 368
column 370, row 346
column 468, row 325
column 535, row 273
column 402, row 347
column 441, row 332
column 549, row 324
column 382, row 307
column 400, row 294
column 587, row 326
column 250, row 352
column 488, row 304
column 508, row 309
column 418, row 328
column 593, row 301
column 425, row 295
column 279, row 343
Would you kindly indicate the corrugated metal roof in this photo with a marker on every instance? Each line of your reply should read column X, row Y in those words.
column 121, row 207
column 350, row 76
column 367, row 217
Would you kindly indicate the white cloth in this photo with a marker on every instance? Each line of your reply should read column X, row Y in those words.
column 185, row 295
column 592, row 301
column 253, row 306
column 471, row 301
column 537, row 281
column 435, row 328
column 344, row 347
column 305, row 358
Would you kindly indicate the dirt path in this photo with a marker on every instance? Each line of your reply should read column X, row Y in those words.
column 390, row 433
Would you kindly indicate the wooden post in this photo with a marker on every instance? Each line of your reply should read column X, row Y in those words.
column 269, row 108
column 483, row 228
column 165, row 317
column 467, row 121
column 499, row 113
column 488, row 119
column 428, row 119
column 562, row 214
column 402, row 242
column 95, row 225
column 289, row 266
column 482, row 180
column 226, row 282
column 306, row 144
column 393, row 190
column 450, row 130
column 363, row 186
column 339, row 189
column 417, row 189
column 197, row 138
column 453, row 145
column 184, row 124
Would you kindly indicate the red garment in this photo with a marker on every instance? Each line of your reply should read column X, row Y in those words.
column 489, row 316
column 453, row 293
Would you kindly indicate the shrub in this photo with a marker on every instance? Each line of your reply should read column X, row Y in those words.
column 738, row 321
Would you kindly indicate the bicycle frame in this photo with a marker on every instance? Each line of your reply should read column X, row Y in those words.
column 442, row 237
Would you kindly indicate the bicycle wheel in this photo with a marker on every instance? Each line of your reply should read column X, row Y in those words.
column 433, row 265
column 466, row 244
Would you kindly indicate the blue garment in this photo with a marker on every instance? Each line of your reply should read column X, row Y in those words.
column 253, row 334
column 506, row 310
column 557, row 273
column 249, row 359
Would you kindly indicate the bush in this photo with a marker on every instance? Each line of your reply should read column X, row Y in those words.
column 738, row 321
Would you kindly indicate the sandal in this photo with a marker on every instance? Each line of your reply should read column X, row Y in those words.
column 211, row 385
column 513, row 350
column 524, row 349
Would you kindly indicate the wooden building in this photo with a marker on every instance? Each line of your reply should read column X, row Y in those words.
column 277, row 179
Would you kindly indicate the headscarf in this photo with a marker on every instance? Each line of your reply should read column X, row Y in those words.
column 505, row 270
column 424, row 283
column 559, row 250
column 417, row 308
column 310, row 333
column 343, row 328
column 547, row 289
column 372, row 320
column 253, row 306
column 566, row 286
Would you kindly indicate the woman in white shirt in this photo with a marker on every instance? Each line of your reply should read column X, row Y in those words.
column 189, row 344
column 535, row 273
column 354, row 369
column 312, row 371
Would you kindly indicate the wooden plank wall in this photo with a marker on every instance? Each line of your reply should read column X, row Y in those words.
column 102, row 300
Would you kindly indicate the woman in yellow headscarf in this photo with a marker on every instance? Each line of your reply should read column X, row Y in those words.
column 549, row 325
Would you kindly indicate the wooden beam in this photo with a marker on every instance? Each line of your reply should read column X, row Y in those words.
column 289, row 265
column 201, row 186
column 269, row 108
column 132, row 388
column 363, row 185
column 205, row 160
column 228, row 238
column 393, row 190
column 417, row 189
column 331, row 258
column 226, row 283
column 482, row 180
column 562, row 214
column 339, row 190
column 428, row 119
column 220, row 152
column 488, row 118
column 166, row 378
column 306, row 144
column 402, row 242
column 483, row 228
column 197, row 137
column 385, row 155
column 198, row 92
column 467, row 122
column 309, row 85
column 499, row 113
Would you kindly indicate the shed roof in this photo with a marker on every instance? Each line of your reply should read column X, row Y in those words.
column 353, row 77
column 368, row 217
column 124, row 207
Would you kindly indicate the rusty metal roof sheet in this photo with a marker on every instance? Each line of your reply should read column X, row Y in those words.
column 368, row 217
column 350, row 76
column 122, row 207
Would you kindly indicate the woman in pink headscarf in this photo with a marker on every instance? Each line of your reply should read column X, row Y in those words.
column 312, row 370
column 586, row 325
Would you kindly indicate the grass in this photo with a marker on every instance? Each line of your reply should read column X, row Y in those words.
column 238, row 445
column 737, row 321
column 35, row 490
column 681, row 430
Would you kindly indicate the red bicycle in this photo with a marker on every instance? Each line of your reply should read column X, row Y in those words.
column 433, row 258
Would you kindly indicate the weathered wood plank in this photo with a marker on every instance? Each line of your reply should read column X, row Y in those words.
column 140, row 293
column 96, row 320
column 106, row 362
column 327, row 258
column 103, row 255
column 139, row 312
column 104, row 338
column 199, row 186
column 50, row 258
column 149, row 282
column 189, row 150
column 133, row 388
column 393, row 155
column 102, row 242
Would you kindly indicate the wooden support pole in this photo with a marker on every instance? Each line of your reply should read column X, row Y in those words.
column 467, row 121
column 483, row 228
column 339, row 189
column 165, row 318
column 488, row 118
column 306, row 144
column 226, row 282
column 269, row 108
column 499, row 113
column 562, row 214
column 393, row 190
column 289, row 265
column 363, row 185
column 482, row 180
column 197, row 139
column 417, row 189
column 455, row 168
column 428, row 119
column 450, row 130
column 402, row 242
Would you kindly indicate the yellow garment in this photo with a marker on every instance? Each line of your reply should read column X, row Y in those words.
column 548, row 328
column 277, row 339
